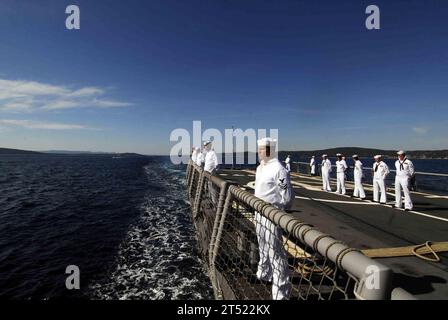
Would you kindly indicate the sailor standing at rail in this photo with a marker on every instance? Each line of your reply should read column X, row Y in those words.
column 199, row 158
column 194, row 155
column 326, row 170
column 313, row 166
column 272, row 184
column 210, row 165
column 341, row 167
column 380, row 172
column 405, row 171
column 358, row 174
column 210, row 159
column 288, row 163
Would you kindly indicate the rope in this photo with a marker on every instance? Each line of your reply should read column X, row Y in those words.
column 316, row 241
column 428, row 245
column 328, row 248
column 341, row 255
column 419, row 251
column 305, row 232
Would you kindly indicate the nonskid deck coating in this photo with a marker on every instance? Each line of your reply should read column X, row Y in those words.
column 365, row 225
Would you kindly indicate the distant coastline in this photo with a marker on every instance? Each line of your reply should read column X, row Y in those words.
column 367, row 153
column 16, row 151
column 6, row 151
column 361, row 152
column 347, row 151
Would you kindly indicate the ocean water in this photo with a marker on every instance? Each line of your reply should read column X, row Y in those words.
column 124, row 222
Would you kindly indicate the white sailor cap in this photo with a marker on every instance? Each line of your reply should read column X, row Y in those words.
column 207, row 142
column 324, row 156
column 267, row 142
column 338, row 155
column 377, row 156
column 355, row 156
column 401, row 152
column 312, row 156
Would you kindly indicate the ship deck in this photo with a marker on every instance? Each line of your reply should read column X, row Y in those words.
column 364, row 224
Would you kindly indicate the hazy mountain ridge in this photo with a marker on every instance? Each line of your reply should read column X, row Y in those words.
column 361, row 152
column 367, row 153
column 65, row 152
column 16, row 151
column 347, row 151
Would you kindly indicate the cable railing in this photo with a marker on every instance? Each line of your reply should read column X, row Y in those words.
column 253, row 250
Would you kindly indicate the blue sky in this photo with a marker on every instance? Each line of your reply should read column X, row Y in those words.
column 139, row 69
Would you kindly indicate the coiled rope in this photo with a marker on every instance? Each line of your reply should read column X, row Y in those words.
column 419, row 251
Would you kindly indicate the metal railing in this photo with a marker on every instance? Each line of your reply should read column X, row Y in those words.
column 256, row 251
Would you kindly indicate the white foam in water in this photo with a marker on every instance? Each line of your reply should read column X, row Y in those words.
column 158, row 258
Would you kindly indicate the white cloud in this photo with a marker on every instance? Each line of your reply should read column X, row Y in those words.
column 29, row 96
column 420, row 130
column 25, row 105
column 109, row 103
column 85, row 92
column 29, row 124
column 61, row 104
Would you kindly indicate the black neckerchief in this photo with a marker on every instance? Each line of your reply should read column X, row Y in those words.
column 377, row 165
column 401, row 163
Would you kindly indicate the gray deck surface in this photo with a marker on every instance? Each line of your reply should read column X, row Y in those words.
column 364, row 224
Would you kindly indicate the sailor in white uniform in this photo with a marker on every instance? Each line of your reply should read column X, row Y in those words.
column 405, row 171
column 326, row 170
column 210, row 166
column 380, row 172
column 272, row 184
column 288, row 163
column 313, row 166
column 210, row 159
column 341, row 167
column 194, row 154
column 358, row 174
column 199, row 158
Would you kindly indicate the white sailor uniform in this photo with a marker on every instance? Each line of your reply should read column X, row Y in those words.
column 326, row 170
column 194, row 156
column 272, row 184
column 210, row 161
column 288, row 164
column 313, row 166
column 200, row 159
column 405, row 171
column 380, row 172
column 341, row 167
column 358, row 174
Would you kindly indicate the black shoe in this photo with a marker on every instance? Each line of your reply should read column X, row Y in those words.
column 407, row 209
